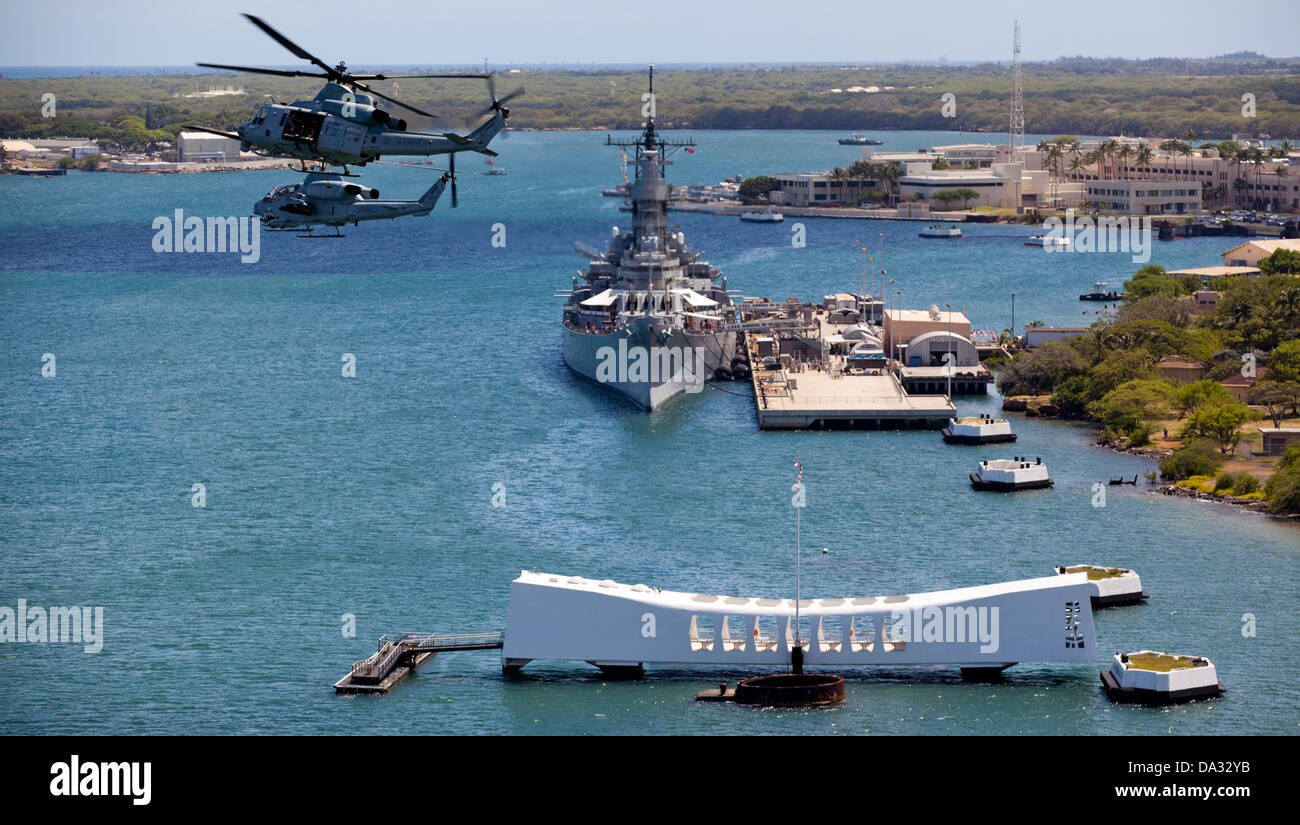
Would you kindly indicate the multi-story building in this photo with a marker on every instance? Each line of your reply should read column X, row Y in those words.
column 1144, row 197
column 1272, row 183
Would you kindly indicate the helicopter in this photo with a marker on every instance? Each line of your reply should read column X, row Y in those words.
column 327, row 198
column 343, row 123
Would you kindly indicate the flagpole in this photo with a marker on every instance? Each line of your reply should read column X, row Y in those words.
column 798, row 637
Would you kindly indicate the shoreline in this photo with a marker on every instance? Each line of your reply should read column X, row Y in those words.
column 1024, row 404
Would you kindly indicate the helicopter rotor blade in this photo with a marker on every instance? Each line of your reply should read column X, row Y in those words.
column 212, row 131
column 454, row 201
column 257, row 70
column 406, row 106
column 471, row 76
column 297, row 50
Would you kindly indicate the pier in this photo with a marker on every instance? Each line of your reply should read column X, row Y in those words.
column 394, row 661
column 828, row 400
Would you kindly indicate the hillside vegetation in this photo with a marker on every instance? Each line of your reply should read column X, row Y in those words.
column 1068, row 96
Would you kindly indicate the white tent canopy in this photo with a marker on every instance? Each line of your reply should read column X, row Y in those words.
column 602, row 299
column 694, row 298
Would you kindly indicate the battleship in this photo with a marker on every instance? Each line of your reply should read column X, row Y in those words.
column 648, row 318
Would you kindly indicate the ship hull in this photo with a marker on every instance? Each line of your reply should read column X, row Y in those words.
column 584, row 353
column 996, row 438
column 1008, row 486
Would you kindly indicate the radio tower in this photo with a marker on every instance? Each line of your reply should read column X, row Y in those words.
column 1017, row 99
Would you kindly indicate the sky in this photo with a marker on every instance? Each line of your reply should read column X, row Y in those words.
column 448, row 32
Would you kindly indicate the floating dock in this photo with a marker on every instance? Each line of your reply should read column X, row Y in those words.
column 394, row 661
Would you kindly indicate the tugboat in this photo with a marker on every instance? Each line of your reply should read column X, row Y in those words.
column 768, row 215
column 981, row 430
column 940, row 231
column 1152, row 678
column 1099, row 293
column 1111, row 586
column 860, row 140
column 648, row 318
column 1007, row 475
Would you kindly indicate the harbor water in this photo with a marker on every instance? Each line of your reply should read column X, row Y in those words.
column 408, row 497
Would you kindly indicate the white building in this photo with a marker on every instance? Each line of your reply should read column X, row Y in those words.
column 203, row 147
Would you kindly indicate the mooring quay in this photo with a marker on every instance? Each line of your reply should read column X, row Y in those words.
column 394, row 661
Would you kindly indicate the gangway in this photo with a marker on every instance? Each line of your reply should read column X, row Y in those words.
column 395, row 660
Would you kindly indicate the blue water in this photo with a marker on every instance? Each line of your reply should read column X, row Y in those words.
column 372, row 496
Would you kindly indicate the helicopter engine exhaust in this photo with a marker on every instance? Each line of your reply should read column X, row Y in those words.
column 353, row 189
column 383, row 118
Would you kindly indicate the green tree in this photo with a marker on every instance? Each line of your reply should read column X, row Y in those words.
column 1283, row 489
column 1281, row 262
column 759, row 186
column 1038, row 370
column 1197, row 458
column 1276, row 397
column 1284, row 362
column 1130, row 404
column 1220, row 422
column 1189, row 398
column 947, row 196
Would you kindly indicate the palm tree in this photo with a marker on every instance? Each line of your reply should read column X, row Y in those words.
column 1125, row 152
column 1144, row 155
column 1077, row 163
column 1289, row 298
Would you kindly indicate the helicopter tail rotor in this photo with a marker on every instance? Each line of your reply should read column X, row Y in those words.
column 498, row 104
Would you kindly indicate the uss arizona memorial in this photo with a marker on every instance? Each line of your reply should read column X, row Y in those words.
column 621, row 628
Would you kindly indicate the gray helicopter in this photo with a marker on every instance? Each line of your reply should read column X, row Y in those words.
column 327, row 198
column 343, row 124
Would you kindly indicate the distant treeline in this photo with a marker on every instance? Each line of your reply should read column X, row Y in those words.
column 1163, row 96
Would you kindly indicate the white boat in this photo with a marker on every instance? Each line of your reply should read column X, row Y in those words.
column 1005, row 475
column 1048, row 241
column 1111, row 586
column 1155, row 678
column 981, row 430
column 939, row 231
column 766, row 216
column 620, row 628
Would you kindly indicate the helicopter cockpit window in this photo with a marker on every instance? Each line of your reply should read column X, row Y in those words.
column 284, row 190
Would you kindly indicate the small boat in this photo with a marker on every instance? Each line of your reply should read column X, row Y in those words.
column 940, row 231
column 860, row 140
column 1153, row 678
column 1099, row 293
column 1111, row 586
column 1115, row 482
column 1048, row 241
column 981, row 430
column 765, row 216
column 1007, row 475
column 495, row 170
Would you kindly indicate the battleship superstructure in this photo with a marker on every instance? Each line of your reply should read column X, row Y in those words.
column 648, row 318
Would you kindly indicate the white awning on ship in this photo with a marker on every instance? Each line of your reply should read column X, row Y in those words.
column 603, row 299
column 695, row 299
